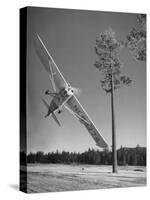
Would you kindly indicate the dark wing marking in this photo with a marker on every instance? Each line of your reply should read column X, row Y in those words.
column 83, row 117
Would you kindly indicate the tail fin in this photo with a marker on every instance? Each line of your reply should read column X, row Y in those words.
column 53, row 115
column 47, row 106
column 55, row 118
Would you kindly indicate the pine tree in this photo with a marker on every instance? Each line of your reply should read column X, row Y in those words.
column 136, row 39
column 107, row 49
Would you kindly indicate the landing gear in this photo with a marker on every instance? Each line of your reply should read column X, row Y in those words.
column 59, row 111
column 47, row 92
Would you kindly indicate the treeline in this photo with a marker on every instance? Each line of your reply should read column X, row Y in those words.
column 125, row 156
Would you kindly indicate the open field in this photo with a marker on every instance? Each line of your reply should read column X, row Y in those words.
column 59, row 177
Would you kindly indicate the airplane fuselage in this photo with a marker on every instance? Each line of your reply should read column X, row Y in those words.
column 59, row 100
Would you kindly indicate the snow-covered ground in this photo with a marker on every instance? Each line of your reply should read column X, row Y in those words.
column 59, row 177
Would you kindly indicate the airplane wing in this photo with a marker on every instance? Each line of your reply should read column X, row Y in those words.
column 77, row 110
column 57, row 79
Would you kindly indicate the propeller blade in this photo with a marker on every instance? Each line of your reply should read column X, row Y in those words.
column 77, row 91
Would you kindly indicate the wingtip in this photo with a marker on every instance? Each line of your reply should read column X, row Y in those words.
column 103, row 146
column 37, row 36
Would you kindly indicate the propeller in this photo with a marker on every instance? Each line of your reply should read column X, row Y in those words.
column 77, row 91
column 73, row 90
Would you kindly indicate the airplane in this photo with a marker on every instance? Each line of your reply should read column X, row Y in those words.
column 64, row 95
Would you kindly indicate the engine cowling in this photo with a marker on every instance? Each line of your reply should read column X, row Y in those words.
column 69, row 90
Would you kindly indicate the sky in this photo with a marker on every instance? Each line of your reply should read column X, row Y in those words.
column 69, row 36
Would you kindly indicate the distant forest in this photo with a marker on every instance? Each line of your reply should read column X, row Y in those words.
column 125, row 156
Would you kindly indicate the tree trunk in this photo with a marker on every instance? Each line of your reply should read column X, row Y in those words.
column 114, row 152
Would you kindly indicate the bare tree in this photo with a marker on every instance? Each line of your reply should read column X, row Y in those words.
column 107, row 49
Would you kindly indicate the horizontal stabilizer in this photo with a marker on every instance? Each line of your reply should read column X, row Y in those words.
column 55, row 118
column 45, row 103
